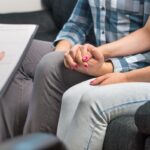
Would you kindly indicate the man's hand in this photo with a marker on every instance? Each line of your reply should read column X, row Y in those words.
column 92, row 62
column 2, row 54
column 110, row 78
column 87, row 59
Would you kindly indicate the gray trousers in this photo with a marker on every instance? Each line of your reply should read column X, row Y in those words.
column 14, row 104
column 87, row 110
column 52, row 79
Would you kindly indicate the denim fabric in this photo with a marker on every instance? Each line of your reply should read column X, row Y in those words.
column 86, row 113
column 142, row 118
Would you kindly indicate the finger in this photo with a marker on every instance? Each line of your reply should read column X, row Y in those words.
column 69, row 61
column 2, row 54
column 99, row 80
column 105, row 82
column 66, row 64
column 96, row 54
column 73, row 51
column 78, row 57
column 89, row 46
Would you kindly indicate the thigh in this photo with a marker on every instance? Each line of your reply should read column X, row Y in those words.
column 70, row 101
column 36, row 51
column 111, row 101
column 51, row 68
column 51, row 80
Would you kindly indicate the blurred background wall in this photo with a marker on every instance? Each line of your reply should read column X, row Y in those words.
column 7, row 6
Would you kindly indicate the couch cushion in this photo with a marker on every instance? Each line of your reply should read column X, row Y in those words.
column 122, row 134
column 60, row 9
column 147, row 144
column 42, row 18
column 142, row 118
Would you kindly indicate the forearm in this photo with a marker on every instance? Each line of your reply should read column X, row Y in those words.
column 136, row 42
column 139, row 75
column 63, row 45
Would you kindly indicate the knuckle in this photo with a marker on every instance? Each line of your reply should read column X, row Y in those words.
column 71, row 52
column 66, row 55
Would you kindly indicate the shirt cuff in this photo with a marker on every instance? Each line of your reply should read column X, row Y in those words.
column 119, row 64
column 63, row 38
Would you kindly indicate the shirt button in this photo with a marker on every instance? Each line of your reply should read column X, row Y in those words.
column 103, row 32
column 103, row 8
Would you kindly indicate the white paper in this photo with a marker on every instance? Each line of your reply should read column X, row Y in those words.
column 13, row 41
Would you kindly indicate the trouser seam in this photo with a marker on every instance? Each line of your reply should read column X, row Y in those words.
column 117, row 106
column 124, row 104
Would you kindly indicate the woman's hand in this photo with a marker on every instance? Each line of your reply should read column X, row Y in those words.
column 93, row 62
column 2, row 54
column 85, row 59
column 110, row 78
column 77, row 56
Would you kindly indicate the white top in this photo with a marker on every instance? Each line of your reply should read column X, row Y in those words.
column 8, row 6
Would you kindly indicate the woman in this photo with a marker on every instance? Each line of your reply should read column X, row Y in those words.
column 87, row 108
column 14, row 103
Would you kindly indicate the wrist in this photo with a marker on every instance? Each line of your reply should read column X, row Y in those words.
column 132, row 76
column 106, row 51
column 107, row 67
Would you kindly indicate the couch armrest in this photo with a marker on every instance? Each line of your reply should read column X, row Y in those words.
column 142, row 118
column 37, row 141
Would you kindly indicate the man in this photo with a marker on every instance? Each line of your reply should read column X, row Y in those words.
column 111, row 20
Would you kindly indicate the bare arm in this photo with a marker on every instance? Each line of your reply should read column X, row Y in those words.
column 63, row 45
column 136, row 42
column 2, row 54
column 139, row 75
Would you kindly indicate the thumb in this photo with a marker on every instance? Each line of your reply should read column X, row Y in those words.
column 97, row 54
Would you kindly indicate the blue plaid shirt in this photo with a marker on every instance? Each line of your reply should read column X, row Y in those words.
column 111, row 19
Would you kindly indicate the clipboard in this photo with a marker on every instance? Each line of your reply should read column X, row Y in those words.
column 15, row 40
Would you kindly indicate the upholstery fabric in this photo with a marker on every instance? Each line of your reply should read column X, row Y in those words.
column 36, row 141
column 147, row 144
column 122, row 134
column 142, row 118
column 42, row 18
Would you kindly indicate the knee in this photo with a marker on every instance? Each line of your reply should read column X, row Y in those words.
column 69, row 97
column 49, row 64
column 87, row 100
column 92, row 107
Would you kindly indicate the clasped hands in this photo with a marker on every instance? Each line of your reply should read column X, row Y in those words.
column 90, row 60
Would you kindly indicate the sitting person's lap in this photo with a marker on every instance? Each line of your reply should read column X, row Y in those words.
column 87, row 112
column 14, row 104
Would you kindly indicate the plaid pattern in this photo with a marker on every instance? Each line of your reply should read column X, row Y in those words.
column 111, row 19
